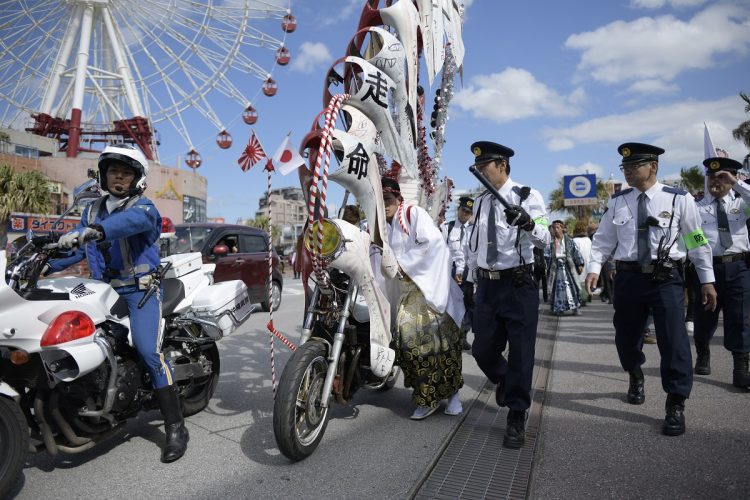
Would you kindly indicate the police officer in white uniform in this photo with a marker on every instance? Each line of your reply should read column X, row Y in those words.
column 724, row 212
column 506, row 303
column 648, row 227
column 457, row 235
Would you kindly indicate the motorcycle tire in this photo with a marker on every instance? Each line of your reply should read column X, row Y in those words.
column 14, row 444
column 198, row 396
column 298, row 420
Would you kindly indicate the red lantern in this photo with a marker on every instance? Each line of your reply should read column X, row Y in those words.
column 193, row 159
column 283, row 56
column 289, row 23
column 270, row 87
column 224, row 139
column 250, row 115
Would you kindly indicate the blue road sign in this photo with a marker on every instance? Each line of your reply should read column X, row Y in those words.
column 579, row 190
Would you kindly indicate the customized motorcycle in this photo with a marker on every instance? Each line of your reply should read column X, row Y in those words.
column 69, row 374
column 344, row 343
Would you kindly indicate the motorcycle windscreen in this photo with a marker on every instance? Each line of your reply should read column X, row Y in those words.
column 354, row 260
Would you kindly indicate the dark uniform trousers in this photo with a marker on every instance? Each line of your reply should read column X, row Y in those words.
column 635, row 294
column 505, row 314
column 733, row 290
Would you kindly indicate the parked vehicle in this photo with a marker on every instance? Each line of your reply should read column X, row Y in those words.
column 344, row 345
column 69, row 374
column 239, row 252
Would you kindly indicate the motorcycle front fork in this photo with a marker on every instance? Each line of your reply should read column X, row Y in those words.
column 338, row 342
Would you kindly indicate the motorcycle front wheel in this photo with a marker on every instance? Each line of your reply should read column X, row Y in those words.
column 299, row 420
column 14, row 443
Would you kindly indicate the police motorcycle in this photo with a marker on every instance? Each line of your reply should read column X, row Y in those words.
column 346, row 331
column 69, row 374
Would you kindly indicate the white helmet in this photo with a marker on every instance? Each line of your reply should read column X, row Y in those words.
column 130, row 156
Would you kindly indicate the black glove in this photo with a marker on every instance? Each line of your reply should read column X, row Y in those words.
column 517, row 216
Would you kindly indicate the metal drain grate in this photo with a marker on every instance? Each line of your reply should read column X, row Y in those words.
column 474, row 463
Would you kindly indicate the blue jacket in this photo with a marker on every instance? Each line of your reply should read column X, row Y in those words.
column 129, row 249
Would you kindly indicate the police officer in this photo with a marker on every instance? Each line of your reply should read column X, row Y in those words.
column 457, row 236
column 122, row 231
column 642, row 226
column 724, row 212
column 506, row 302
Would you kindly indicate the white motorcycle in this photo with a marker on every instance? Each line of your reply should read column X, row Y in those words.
column 69, row 374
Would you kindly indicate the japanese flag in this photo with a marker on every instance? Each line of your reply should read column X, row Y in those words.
column 286, row 158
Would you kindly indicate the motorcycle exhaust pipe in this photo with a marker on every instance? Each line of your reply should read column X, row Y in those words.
column 64, row 427
column 44, row 428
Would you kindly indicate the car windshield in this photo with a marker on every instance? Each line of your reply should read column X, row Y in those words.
column 188, row 239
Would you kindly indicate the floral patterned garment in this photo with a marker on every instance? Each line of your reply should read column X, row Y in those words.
column 428, row 348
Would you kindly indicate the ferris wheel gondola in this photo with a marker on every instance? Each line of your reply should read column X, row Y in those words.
column 87, row 72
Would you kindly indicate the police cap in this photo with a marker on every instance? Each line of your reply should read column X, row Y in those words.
column 717, row 163
column 485, row 151
column 636, row 152
column 466, row 202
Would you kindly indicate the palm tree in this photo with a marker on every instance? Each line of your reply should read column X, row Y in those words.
column 693, row 179
column 21, row 192
column 262, row 222
column 742, row 132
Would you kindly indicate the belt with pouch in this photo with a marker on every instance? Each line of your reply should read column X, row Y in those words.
column 502, row 273
column 732, row 257
column 635, row 267
column 143, row 283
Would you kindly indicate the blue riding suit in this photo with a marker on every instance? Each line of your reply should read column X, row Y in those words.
column 128, row 251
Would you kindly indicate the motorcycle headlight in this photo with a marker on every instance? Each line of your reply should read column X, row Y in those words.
column 332, row 239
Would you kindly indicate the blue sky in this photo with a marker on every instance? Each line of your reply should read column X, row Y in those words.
column 562, row 82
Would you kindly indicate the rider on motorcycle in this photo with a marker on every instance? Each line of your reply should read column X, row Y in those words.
column 119, row 233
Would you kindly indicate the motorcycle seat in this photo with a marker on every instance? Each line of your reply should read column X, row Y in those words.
column 174, row 292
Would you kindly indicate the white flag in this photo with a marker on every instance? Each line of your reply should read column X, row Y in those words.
column 286, row 158
column 709, row 151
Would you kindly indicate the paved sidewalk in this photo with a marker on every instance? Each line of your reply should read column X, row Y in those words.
column 595, row 445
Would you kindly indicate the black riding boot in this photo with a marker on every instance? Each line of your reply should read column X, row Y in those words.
column 636, row 393
column 174, row 424
column 674, row 421
column 703, row 358
column 741, row 374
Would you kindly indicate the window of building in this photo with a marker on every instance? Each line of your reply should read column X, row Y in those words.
column 26, row 151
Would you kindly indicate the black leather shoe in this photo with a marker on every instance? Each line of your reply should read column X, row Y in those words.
column 515, row 430
column 702, row 359
column 741, row 373
column 500, row 392
column 465, row 345
column 636, row 393
column 674, row 421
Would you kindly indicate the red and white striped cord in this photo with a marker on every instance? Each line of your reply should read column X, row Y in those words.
column 273, row 331
column 319, row 184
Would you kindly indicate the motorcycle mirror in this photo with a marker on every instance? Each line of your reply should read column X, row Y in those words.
column 87, row 191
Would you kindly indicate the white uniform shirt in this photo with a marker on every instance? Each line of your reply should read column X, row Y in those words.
column 507, row 253
column 618, row 229
column 736, row 204
column 456, row 244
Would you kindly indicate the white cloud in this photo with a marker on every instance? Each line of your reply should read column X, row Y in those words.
column 588, row 167
column 653, row 86
column 515, row 94
column 341, row 14
column 677, row 127
column 655, row 4
column 661, row 47
column 312, row 55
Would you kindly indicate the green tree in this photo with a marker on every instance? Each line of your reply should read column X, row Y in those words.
column 693, row 179
column 21, row 192
column 742, row 132
column 262, row 222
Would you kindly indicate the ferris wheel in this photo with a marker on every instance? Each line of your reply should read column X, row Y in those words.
column 99, row 71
